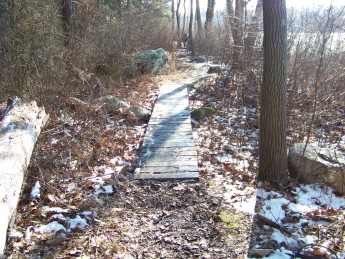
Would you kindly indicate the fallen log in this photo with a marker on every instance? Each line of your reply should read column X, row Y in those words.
column 19, row 129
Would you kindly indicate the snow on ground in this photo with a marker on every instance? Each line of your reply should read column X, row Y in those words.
column 228, row 145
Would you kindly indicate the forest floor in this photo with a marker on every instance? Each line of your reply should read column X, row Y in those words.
column 78, row 200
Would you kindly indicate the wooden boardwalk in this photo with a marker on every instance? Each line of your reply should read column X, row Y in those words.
column 168, row 150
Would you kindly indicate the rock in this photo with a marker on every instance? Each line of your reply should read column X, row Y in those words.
column 152, row 61
column 202, row 112
column 260, row 253
column 318, row 165
column 198, row 60
column 141, row 113
column 112, row 103
column 214, row 70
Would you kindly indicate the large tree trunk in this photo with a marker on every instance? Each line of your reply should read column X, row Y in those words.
column 272, row 151
column 173, row 14
column 118, row 8
column 66, row 12
column 129, row 6
column 191, row 38
column 178, row 22
column 19, row 130
column 209, row 14
column 198, row 17
column 237, row 30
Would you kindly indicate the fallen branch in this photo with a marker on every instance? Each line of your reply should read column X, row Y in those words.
column 19, row 130
column 273, row 224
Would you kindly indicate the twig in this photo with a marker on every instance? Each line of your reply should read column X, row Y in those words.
column 273, row 224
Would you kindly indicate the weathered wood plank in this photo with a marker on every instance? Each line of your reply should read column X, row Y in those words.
column 168, row 144
column 169, row 169
column 171, row 163
column 169, row 176
column 156, row 152
column 163, row 158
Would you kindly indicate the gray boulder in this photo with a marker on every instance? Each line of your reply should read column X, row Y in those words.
column 318, row 165
column 111, row 103
column 202, row 112
column 198, row 60
column 152, row 61
column 214, row 70
column 141, row 113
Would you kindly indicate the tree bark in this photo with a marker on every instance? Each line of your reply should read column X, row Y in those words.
column 254, row 33
column 237, row 30
column 191, row 38
column 118, row 8
column 178, row 22
column 272, row 150
column 66, row 14
column 173, row 14
column 209, row 14
column 19, row 130
column 129, row 6
column 198, row 17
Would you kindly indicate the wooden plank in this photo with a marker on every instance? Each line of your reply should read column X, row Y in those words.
column 157, row 152
column 155, row 128
column 161, row 135
column 170, row 176
column 171, row 120
column 163, row 158
column 171, row 163
column 170, row 144
column 169, row 149
column 169, row 169
column 170, row 139
column 171, row 115
column 159, row 138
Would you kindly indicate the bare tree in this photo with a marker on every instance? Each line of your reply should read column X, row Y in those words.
column 254, row 33
column 173, row 14
column 209, row 13
column 129, row 6
column 272, row 143
column 190, row 38
column 237, row 30
column 198, row 17
column 66, row 14
column 118, row 8
column 178, row 22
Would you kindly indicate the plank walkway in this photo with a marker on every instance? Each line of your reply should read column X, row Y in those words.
column 168, row 150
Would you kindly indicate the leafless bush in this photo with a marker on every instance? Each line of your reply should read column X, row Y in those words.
column 31, row 48
column 316, row 75
column 40, row 59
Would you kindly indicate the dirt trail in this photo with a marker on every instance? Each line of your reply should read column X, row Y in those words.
column 136, row 219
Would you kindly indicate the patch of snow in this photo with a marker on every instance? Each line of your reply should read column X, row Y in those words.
column 57, row 217
column 52, row 227
column 71, row 187
column 55, row 209
column 28, row 233
column 89, row 214
column 108, row 188
column 76, row 222
column 313, row 196
column 35, row 192
column 272, row 208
